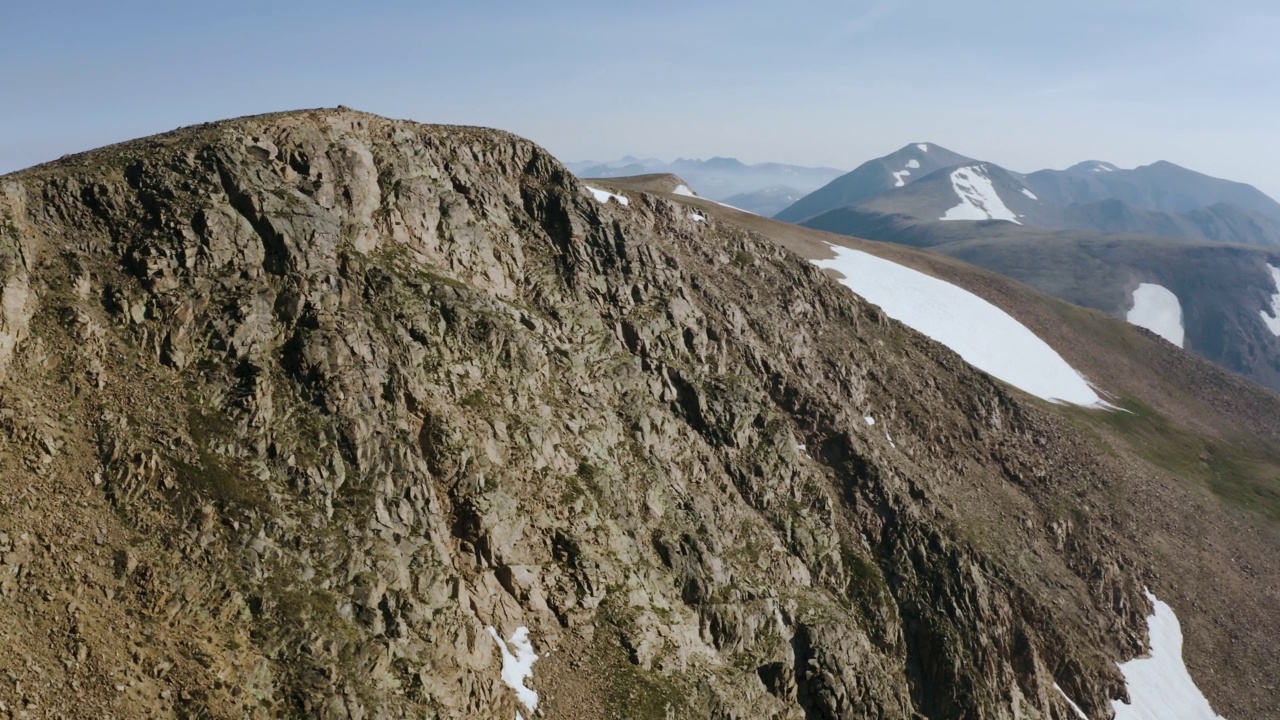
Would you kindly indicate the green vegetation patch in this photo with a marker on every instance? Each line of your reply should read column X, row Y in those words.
column 1240, row 471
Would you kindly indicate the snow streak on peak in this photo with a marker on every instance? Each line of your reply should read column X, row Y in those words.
column 982, row 334
column 978, row 197
column 924, row 147
column 1029, row 194
column 898, row 177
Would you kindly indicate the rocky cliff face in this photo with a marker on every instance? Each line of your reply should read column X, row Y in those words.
column 296, row 407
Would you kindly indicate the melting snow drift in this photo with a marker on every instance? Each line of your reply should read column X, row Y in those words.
column 984, row 335
column 1272, row 321
column 1160, row 687
column 1157, row 309
column 517, row 665
column 978, row 197
column 684, row 190
column 898, row 177
column 604, row 195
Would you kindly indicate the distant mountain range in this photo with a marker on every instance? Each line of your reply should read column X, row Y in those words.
column 764, row 188
column 1093, row 234
column 928, row 183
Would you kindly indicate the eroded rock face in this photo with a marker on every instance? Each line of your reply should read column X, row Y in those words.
column 317, row 398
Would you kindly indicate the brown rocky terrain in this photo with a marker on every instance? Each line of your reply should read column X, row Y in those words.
column 294, row 408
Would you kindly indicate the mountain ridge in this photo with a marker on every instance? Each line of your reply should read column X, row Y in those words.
column 720, row 178
column 329, row 401
column 1160, row 199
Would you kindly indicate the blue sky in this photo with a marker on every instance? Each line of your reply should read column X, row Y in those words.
column 1023, row 84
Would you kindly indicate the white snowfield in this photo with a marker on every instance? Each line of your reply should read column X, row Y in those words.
column 604, row 195
column 924, row 147
column 517, row 666
column 731, row 207
column 1160, row 688
column 978, row 197
column 684, row 190
column 1157, row 309
column 1029, row 194
column 899, row 177
column 1272, row 321
column 986, row 337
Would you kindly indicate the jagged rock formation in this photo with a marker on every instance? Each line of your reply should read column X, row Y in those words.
column 295, row 407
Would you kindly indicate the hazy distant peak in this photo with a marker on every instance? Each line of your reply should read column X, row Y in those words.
column 1093, row 166
column 921, row 148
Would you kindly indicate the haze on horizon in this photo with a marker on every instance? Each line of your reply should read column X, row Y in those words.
column 816, row 83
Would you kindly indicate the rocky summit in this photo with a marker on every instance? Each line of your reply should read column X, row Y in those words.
column 320, row 414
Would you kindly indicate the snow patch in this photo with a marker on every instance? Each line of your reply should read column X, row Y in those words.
column 1160, row 688
column 684, row 190
column 924, row 147
column 731, row 207
column 696, row 217
column 898, row 180
column 870, row 420
column 1029, row 194
column 1076, row 708
column 986, row 337
column 517, row 665
column 1157, row 309
column 604, row 195
column 1272, row 321
column 978, row 197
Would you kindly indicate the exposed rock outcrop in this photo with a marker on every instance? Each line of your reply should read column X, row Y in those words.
column 296, row 407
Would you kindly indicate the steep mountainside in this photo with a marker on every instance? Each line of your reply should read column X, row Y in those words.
column 978, row 191
column 1161, row 186
column 718, row 178
column 1221, row 222
column 1187, row 419
column 307, row 414
column 874, row 178
column 1224, row 291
